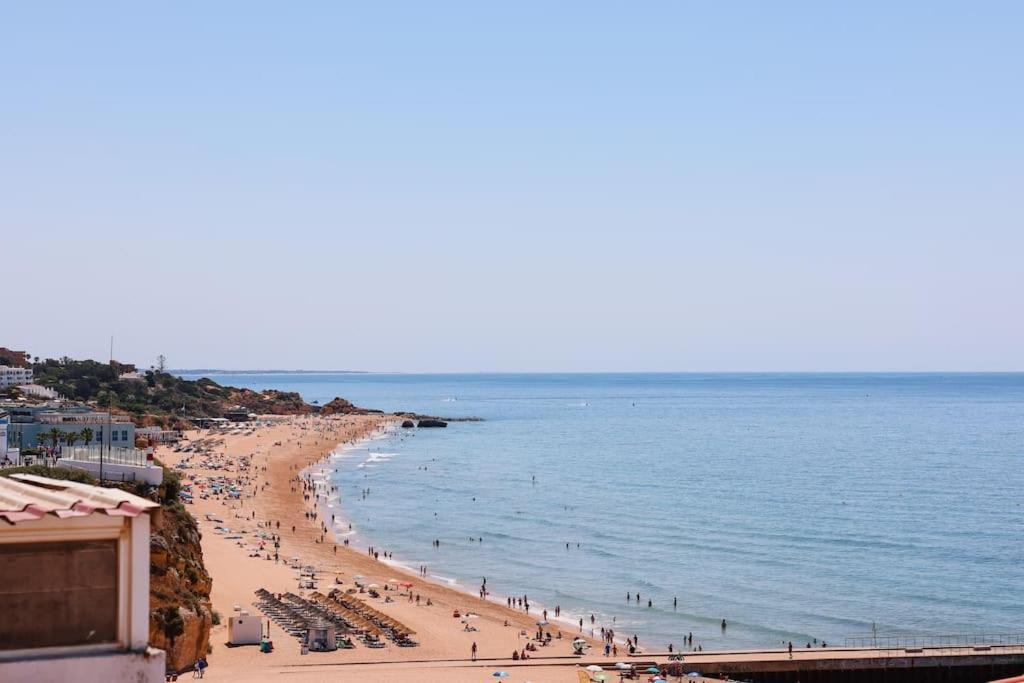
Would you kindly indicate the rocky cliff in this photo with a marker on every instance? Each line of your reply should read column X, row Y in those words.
column 179, row 592
column 341, row 406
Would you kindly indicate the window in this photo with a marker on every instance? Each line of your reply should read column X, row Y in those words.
column 124, row 435
column 114, row 434
column 82, row 612
column 99, row 435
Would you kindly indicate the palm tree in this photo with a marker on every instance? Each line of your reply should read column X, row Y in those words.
column 55, row 436
column 71, row 437
column 42, row 438
column 87, row 435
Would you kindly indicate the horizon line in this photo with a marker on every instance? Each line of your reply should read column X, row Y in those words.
column 194, row 371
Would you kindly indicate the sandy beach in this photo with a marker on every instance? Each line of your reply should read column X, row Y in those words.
column 266, row 461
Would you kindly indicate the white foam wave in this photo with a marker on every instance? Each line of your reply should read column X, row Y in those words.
column 447, row 580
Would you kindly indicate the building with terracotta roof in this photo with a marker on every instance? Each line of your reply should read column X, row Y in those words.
column 74, row 560
column 18, row 359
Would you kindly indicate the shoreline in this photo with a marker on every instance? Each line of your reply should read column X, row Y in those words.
column 267, row 459
column 321, row 470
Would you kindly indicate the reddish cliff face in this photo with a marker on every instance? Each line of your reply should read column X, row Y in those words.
column 340, row 406
column 270, row 402
column 180, row 611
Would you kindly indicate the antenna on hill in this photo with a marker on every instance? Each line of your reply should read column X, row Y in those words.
column 110, row 410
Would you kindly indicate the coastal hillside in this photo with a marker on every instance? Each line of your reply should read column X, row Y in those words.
column 153, row 397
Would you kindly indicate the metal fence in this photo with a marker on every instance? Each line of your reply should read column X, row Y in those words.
column 939, row 643
column 112, row 456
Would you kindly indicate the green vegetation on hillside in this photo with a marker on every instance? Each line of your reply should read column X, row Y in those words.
column 157, row 397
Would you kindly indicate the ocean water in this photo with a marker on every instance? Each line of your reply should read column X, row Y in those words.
column 795, row 506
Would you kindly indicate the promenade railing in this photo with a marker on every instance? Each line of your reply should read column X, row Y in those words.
column 112, row 456
column 939, row 644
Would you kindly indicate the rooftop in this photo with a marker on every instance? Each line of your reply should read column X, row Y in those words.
column 28, row 497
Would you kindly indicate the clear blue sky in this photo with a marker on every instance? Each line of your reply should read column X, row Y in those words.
column 515, row 186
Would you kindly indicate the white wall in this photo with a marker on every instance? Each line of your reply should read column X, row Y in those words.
column 151, row 475
column 113, row 667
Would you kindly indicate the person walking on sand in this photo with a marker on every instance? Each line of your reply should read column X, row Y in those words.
column 472, row 652
column 791, row 649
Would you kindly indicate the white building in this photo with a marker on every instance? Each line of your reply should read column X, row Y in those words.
column 38, row 391
column 4, row 421
column 94, row 541
column 12, row 377
column 158, row 434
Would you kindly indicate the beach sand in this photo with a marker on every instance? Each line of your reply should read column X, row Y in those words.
column 444, row 650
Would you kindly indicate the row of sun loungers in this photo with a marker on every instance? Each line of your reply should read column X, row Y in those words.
column 369, row 633
column 294, row 614
column 393, row 628
column 349, row 614
column 284, row 616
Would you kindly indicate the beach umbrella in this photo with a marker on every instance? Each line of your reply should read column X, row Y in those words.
column 594, row 667
column 653, row 670
column 373, row 585
column 542, row 623
column 622, row 665
column 694, row 674
column 500, row 674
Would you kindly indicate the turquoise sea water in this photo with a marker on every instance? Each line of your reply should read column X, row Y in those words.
column 793, row 506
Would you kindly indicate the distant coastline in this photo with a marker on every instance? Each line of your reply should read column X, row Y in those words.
column 217, row 371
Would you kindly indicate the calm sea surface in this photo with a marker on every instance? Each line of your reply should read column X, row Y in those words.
column 794, row 506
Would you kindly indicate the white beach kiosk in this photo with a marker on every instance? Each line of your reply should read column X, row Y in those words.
column 245, row 629
column 74, row 583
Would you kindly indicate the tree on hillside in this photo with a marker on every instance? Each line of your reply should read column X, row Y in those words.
column 161, row 363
